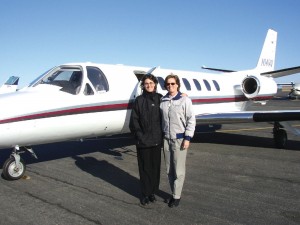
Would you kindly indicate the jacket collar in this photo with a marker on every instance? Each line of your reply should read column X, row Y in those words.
column 178, row 96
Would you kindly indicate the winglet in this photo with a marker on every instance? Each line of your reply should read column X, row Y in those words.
column 266, row 60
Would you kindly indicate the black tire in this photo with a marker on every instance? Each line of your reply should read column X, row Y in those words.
column 11, row 172
column 280, row 138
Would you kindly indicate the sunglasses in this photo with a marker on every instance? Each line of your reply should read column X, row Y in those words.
column 168, row 84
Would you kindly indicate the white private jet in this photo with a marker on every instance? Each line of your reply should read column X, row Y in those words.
column 11, row 85
column 83, row 100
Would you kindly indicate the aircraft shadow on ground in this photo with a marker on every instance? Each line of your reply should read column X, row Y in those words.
column 241, row 140
column 109, row 173
column 59, row 150
column 54, row 151
column 98, row 168
column 113, row 175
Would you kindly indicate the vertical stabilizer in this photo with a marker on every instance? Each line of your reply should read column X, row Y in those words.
column 10, row 85
column 266, row 60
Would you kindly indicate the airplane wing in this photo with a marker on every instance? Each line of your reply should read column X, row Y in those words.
column 282, row 72
column 274, row 73
column 280, row 119
column 248, row 117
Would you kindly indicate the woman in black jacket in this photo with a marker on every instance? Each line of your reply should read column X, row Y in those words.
column 145, row 124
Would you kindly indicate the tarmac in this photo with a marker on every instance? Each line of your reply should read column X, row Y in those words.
column 234, row 176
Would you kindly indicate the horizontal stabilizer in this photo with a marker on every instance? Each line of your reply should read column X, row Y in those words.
column 282, row 72
column 216, row 69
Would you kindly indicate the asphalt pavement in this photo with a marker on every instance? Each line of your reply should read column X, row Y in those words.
column 234, row 176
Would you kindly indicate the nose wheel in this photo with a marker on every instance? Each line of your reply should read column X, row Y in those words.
column 13, row 169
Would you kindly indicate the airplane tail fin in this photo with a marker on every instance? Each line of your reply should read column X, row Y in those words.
column 266, row 60
column 10, row 85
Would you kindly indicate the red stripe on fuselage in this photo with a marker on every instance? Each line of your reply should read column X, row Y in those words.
column 65, row 112
column 121, row 106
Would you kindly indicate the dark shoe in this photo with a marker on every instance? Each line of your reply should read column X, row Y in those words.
column 152, row 198
column 173, row 202
column 145, row 201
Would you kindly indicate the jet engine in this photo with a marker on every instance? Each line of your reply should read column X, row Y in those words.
column 258, row 87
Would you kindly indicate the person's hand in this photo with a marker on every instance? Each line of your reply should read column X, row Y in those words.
column 185, row 144
column 184, row 95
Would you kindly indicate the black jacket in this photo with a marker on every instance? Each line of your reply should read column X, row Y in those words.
column 145, row 121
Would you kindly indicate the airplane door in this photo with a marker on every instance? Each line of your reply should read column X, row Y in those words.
column 137, row 90
column 139, row 74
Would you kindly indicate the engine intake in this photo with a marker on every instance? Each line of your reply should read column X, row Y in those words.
column 258, row 87
column 250, row 86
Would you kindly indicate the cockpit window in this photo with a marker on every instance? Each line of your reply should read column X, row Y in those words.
column 97, row 78
column 88, row 90
column 69, row 79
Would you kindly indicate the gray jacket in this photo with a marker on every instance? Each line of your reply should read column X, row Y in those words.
column 178, row 119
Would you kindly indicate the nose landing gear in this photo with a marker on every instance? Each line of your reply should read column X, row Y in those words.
column 14, row 167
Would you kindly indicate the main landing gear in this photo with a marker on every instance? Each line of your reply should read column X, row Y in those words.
column 14, row 167
column 279, row 135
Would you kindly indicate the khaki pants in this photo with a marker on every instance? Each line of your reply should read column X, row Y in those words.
column 175, row 158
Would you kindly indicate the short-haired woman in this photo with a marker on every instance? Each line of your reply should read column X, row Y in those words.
column 178, row 124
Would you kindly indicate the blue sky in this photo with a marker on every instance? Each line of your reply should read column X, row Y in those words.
column 36, row 35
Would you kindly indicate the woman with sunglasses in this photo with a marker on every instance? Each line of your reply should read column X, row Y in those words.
column 145, row 124
column 178, row 124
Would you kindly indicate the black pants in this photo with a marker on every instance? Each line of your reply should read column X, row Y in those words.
column 149, row 160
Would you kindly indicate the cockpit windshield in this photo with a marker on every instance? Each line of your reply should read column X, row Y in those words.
column 35, row 81
column 69, row 78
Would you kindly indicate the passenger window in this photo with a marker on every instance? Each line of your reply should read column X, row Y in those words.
column 216, row 85
column 186, row 84
column 197, row 84
column 207, row 85
column 161, row 82
column 98, row 79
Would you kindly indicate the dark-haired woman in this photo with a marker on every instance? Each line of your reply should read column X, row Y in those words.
column 145, row 124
